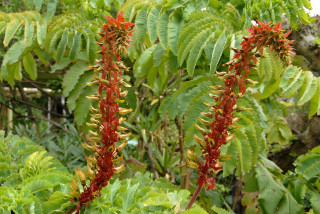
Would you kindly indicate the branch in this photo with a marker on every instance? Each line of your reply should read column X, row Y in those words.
column 35, row 118
column 40, row 108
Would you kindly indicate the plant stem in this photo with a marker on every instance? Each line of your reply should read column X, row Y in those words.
column 71, row 210
column 183, row 166
column 195, row 195
column 236, row 197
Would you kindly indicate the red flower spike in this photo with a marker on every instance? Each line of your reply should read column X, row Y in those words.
column 244, row 60
column 115, row 39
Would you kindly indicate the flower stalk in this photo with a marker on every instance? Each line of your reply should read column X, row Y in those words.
column 225, row 99
column 106, row 120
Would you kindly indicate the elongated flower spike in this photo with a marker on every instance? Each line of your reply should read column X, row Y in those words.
column 115, row 39
column 266, row 35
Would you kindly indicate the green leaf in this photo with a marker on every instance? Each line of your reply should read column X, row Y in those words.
column 188, row 84
column 82, row 107
column 11, row 29
column 196, row 211
column 289, row 73
column 128, row 198
column 41, row 32
column 294, row 85
column 202, row 39
column 37, row 185
column 28, row 32
column 314, row 200
column 54, row 40
column 298, row 189
column 217, row 52
column 219, row 210
column 244, row 151
column 13, row 55
column 3, row 26
column 315, row 101
column 270, row 88
column 152, row 22
column 174, row 28
column 30, row 66
column 142, row 59
column 308, row 165
column 71, row 77
column 162, row 29
column 51, row 7
column 270, row 192
column 62, row 46
column 185, row 46
column 38, row 4
column 310, row 88
column 75, row 45
column 81, row 84
column 141, row 25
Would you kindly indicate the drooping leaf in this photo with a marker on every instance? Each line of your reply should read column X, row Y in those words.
column 141, row 25
column 152, row 22
column 308, row 165
column 309, row 88
column 82, row 107
column 71, row 77
column 174, row 27
column 30, row 66
column 11, row 29
column 217, row 52
column 162, row 29
column 62, row 46
column 76, row 43
column 202, row 40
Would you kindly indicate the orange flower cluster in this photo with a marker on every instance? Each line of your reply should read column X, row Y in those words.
column 106, row 120
column 245, row 59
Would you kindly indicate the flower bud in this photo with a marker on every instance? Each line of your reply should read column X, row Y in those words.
column 230, row 137
column 201, row 130
column 94, row 120
column 96, row 116
column 93, row 126
column 122, row 145
column 206, row 123
column 116, row 161
column 124, row 136
column 249, row 81
column 213, row 104
column 200, row 141
column 94, row 110
column 124, row 111
column 122, row 82
column 223, row 158
column 95, row 134
column 120, row 101
column 92, row 148
column 207, row 114
column 191, row 155
column 234, row 120
column 93, row 97
column 192, row 164
column 124, row 93
column 121, row 120
column 119, row 169
column 121, row 128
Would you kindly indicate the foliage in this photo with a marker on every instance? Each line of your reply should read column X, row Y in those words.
column 141, row 194
column 66, row 146
column 30, row 178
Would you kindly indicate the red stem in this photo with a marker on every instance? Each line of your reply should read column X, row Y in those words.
column 72, row 209
column 195, row 195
